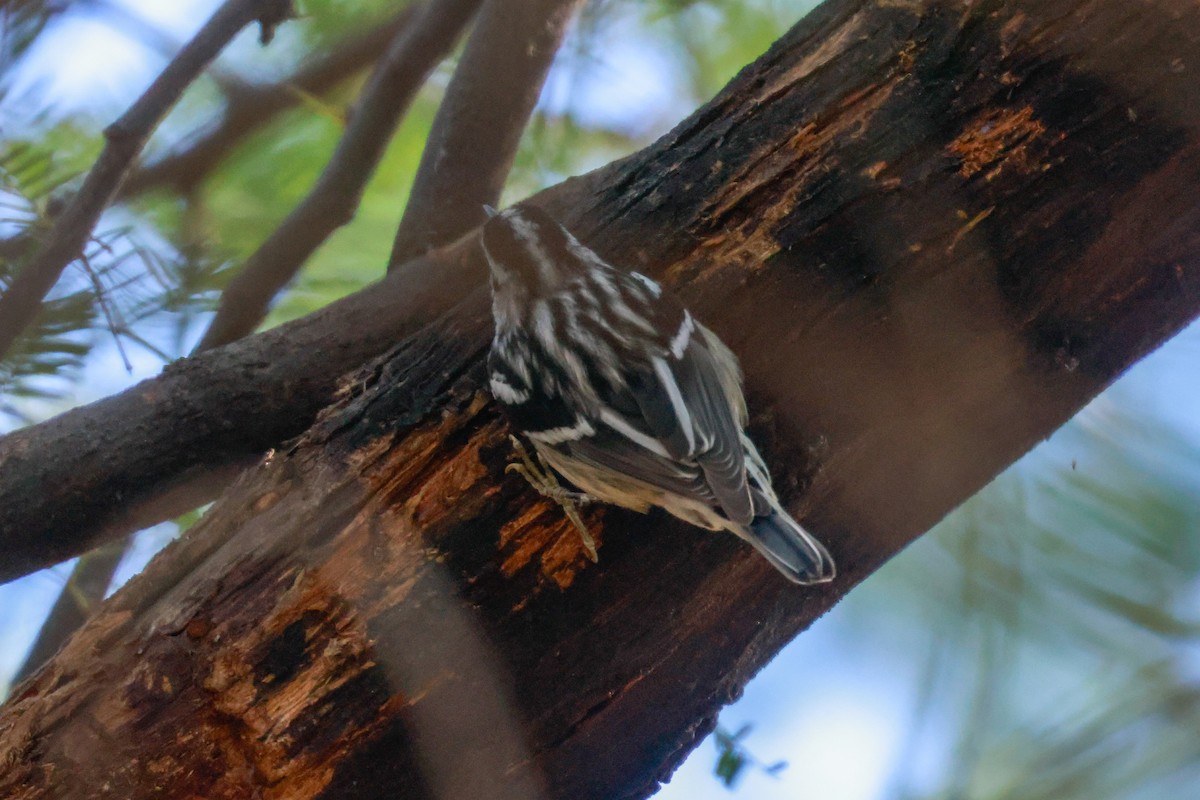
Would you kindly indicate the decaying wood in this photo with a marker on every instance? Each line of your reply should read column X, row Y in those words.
column 931, row 230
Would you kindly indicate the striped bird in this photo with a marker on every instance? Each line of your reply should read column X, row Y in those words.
column 625, row 394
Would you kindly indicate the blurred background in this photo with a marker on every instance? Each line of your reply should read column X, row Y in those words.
column 1042, row 642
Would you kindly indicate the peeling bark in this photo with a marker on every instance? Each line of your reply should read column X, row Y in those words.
column 931, row 230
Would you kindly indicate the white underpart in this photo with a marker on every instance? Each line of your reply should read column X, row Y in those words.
column 682, row 415
column 614, row 421
column 567, row 433
column 652, row 285
column 680, row 342
column 505, row 392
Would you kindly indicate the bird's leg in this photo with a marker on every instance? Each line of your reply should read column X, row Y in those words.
column 541, row 477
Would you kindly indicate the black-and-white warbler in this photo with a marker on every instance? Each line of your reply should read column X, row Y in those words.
column 625, row 394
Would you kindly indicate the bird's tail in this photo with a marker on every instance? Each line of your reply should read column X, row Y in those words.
column 790, row 548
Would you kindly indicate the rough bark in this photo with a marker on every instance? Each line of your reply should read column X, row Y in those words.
column 932, row 230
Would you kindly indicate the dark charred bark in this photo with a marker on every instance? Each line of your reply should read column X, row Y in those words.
column 932, row 231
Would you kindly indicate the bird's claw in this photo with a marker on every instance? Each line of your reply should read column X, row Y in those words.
column 538, row 475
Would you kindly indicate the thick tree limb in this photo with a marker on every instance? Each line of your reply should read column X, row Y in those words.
column 335, row 196
column 92, row 575
column 478, row 126
column 932, row 230
column 252, row 107
column 16, row 246
column 125, row 139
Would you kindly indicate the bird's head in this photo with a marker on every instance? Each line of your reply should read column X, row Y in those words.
column 530, row 254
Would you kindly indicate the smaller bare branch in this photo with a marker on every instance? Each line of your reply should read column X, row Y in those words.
column 125, row 139
column 332, row 201
column 85, row 588
column 128, row 22
column 106, row 308
column 478, row 127
column 252, row 107
column 15, row 246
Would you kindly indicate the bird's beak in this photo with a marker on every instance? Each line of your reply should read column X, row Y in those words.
column 491, row 212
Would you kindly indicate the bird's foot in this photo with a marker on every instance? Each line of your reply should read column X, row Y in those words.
column 539, row 475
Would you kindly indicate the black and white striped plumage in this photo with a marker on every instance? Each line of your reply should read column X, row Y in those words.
column 625, row 394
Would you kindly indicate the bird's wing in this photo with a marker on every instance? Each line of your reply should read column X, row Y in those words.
column 681, row 408
column 674, row 425
column 614, row 442
column 630, row 469
column 683, row 405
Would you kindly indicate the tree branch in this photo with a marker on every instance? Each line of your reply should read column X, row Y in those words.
column 16, row 246
column 411, row 57
column 19, row 306
column 478, row 127
column 93, row 573
column 252, row 107
column 83, row 591
column 69, row 483
column 931, row 230
column 128, row 458
column 128, row 22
